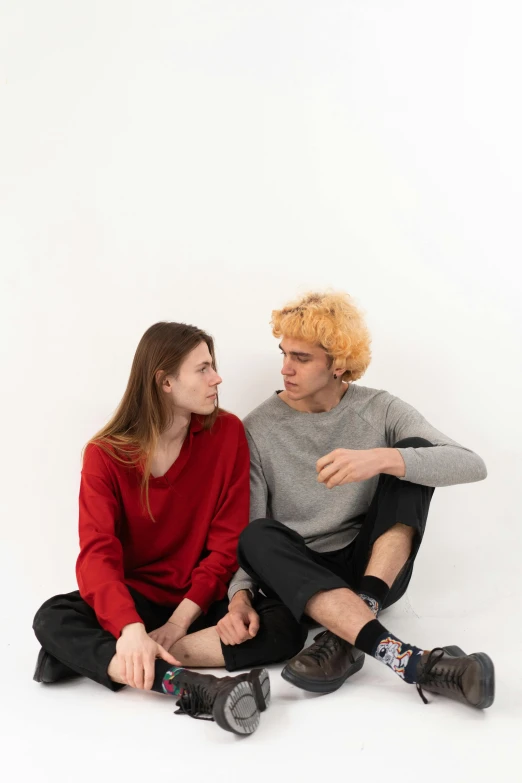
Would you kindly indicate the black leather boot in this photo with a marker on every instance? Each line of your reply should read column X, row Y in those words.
column 234, row 703
column 49, row 669
column 449, row 672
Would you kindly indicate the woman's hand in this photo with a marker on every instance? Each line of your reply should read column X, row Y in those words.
column 136, row 653
column 167, row 635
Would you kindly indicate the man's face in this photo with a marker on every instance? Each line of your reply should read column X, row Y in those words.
column 194, row 390
column 305, row 368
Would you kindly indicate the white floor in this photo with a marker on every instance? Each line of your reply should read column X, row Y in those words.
column 375, row 727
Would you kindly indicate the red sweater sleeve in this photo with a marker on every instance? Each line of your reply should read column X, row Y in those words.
column 99, row 568
column 211, row 576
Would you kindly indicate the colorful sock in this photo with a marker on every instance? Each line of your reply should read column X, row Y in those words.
column 373, row 591
column 374, row 639
column 166, row 679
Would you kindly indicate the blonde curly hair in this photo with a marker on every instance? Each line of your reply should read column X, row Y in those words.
column 332, row 321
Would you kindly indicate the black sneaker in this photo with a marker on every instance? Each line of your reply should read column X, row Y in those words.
column 234, row 703
column 449, row 672
column 325, row 665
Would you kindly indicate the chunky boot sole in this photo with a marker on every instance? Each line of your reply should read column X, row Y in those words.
column 320, row 686
column 260, row 681
column 235, row 708
column 488, row 674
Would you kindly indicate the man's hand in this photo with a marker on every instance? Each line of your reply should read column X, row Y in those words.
column 242, row 621
column 167, row 635
column 344, row 466
column 135, row 655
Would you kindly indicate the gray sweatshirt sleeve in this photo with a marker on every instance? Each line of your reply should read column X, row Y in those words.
column 258, row 510
column 444, row 464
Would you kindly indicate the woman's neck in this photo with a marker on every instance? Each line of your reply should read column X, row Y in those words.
column 177, row 430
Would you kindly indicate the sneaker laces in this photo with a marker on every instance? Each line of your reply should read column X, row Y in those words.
column 196, row 702
column 442, row 677
column 325, row 644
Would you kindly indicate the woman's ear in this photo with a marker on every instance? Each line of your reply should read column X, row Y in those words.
column 163, row 381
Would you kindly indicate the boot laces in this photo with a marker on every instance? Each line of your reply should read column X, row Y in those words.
column 325, row 644
column 440, row 676
column 197, row 702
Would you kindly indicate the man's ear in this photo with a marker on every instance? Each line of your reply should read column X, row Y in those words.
column 339, row 371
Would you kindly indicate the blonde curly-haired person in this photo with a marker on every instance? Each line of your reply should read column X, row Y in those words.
column 342, row 476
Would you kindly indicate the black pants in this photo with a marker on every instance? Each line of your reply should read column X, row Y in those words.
column 68, row 629
column 279, row 561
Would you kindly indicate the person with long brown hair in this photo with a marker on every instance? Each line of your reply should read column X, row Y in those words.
column 164, row 496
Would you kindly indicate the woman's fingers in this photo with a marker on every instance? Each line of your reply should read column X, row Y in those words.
column 138, row 671
column 149, row 672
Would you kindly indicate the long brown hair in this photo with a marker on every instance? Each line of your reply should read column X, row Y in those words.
column 131, row 436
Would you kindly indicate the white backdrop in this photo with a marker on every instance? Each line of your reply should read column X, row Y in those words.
column 206, row 161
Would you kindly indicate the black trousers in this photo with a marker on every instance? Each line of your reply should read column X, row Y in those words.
column 279, row 561
column 68, row 629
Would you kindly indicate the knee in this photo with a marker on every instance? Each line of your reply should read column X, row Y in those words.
column 41, row 620
column 46, row 617
column 255, row 535
column 415, row 443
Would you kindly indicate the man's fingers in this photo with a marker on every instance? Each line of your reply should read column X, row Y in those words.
column 321, row 463
column 224, row 634
column 238, row 626
column 341, row 477
column 253, row 628
column 327, row 473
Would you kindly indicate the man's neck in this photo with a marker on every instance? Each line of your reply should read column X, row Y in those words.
column 324, row 401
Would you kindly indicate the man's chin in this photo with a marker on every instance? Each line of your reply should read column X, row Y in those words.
column 294, row 394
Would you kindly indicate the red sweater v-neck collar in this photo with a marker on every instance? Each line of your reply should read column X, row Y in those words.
column 170, row 476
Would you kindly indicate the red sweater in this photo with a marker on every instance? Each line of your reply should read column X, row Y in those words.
column 200, row 507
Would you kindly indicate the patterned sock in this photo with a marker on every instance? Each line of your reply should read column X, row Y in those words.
column 402, row 658
column 373, row 591
column 165, row 678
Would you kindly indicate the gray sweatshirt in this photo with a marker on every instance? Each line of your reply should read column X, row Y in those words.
column 285, row 445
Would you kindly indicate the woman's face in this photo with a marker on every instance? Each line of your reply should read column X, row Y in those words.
column 194, row 389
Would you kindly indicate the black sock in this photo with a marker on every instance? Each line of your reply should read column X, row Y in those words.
column 374, row 639
column 373, row 591
column 165, row 678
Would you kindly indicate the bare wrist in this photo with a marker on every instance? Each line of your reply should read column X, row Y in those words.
column 133, row 628
column 179, row 624
column 391, row 462
column 242, row 597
